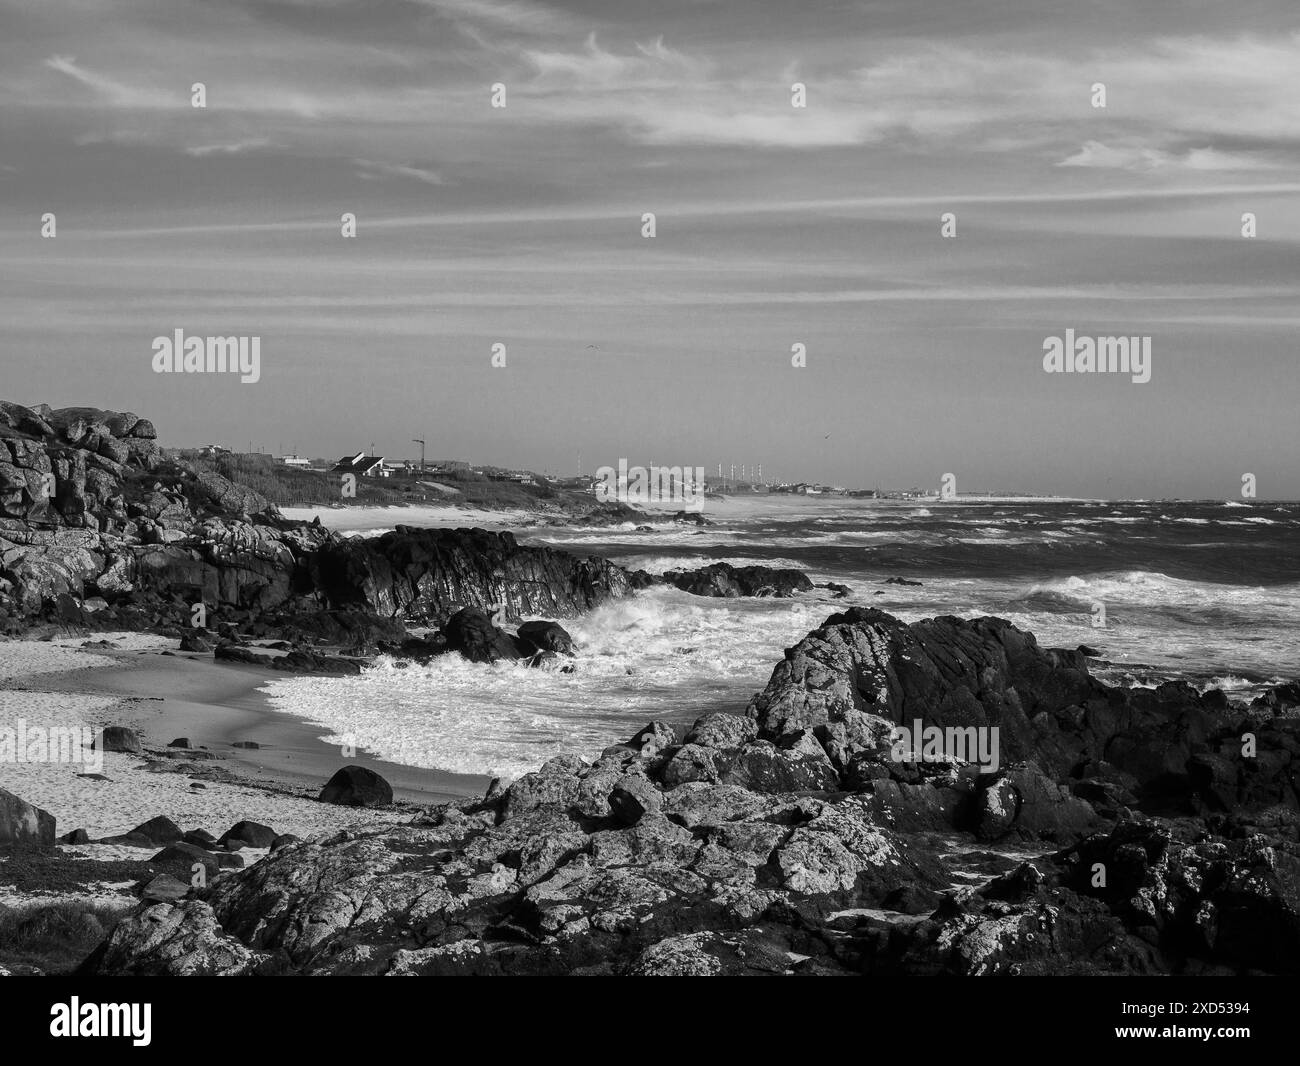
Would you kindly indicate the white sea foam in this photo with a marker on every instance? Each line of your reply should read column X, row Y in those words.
column 662, row 654
column 665, row 654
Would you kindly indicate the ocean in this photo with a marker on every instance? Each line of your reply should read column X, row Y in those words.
column 1206, row 591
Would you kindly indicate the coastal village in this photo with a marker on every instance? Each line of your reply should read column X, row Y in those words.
column 749, row 480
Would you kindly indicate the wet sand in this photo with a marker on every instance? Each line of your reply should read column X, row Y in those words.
column 215, row 705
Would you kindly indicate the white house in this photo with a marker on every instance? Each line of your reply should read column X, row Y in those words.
column 362, row 465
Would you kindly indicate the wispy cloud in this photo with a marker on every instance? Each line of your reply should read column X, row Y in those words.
column 372, row 169
column 1139, row 158
column 235, row 148
column 108, row 90
column 514, row 16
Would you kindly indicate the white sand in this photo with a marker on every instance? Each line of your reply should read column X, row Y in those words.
column 133, row 794
column 23, row 659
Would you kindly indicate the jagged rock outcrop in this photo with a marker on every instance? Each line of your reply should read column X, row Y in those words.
column 862, row 672
column 574, row 868
column 611, row 868
column 1141, row 899
column 429, row 574
column 91, row 508
column 723, row 579
column 177, row 940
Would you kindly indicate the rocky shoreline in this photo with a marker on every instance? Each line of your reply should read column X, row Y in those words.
column 788, row 840
column 1119, row 830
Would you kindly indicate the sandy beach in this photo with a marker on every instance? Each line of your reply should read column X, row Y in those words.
column 215, row 705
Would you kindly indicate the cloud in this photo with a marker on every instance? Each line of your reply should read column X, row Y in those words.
column 1139, row 158
column 112, row 92
column 593, row 66
column 235, row 148
column 516, row 16
column 372, row 169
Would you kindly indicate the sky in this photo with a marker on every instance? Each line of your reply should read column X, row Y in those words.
column 775, row 226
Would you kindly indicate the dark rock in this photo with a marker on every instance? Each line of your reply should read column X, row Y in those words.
column 862, row 671
column 160, row 830
column 633, row 798
column 119, row 738
column 187, row 855
column 22, row 823
column 77, row 836
column 163, row 888
column 253, row 834
column 305, row 662
column 1279, row 699
column 423, row 649
column 232, row 653
column 357, row 786
column 471, row 632
column 545, row 636
column 723, row 579
column 431, row 573
column 197, row 640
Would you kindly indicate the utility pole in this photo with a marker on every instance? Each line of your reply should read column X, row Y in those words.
column 416, row 440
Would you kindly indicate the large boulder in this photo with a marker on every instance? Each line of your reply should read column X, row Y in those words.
column 23, row 823
column 357, row 786
column 159, row 830
column 862, row 672
column 252, row 834
column 545, row 636
column 119, row 738
column 471, row 632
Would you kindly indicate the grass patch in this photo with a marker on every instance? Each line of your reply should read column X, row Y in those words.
column 55, row 937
